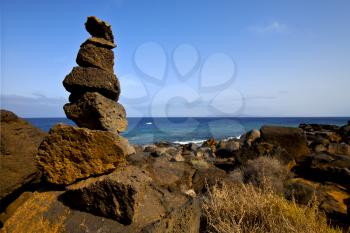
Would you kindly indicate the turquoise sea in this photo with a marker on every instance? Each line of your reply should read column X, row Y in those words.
column 183, row 130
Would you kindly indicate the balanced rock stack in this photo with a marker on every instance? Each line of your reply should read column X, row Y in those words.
column 71, row 153
column 93, row 86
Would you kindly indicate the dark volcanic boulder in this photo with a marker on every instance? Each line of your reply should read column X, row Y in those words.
column 94, row 111
column 249, row 137
column 69, row 153
column 323, row 167
column 99, row 42
column 116, row 196
column 318, row 127
column 227, row 148
column 293, row 140
column 90, row 55
column 344, row 132
column 19, row 143
column 89, row 79
column 99, row 28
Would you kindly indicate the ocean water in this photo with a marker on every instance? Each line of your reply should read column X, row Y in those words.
column 185, row 130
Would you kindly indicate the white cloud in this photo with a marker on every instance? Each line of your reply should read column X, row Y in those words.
column 273, row 27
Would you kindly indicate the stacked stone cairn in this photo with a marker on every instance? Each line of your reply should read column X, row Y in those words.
column 93, row 85
column 95, row 147
column 88, row 162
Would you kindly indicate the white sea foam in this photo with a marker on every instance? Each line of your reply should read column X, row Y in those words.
column 190, row 141
column 200, row 141
column 237, row 137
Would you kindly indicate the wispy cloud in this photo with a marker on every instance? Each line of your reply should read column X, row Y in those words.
column 273, row 27
column 36, row 105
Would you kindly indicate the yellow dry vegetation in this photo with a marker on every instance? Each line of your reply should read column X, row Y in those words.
column 244, row 208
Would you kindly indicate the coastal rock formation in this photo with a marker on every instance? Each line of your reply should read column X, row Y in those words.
column 69, row 153
column 293, row 140
column 19, row 144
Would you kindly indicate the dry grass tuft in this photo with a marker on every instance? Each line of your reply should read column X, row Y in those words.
column 244, row 208
column 266, row 172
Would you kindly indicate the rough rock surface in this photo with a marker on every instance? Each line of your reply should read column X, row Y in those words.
column 89, row 79
column 69, row 153
column 324, row 167
column 338, row 149
column 251, row 136
column 47, row 212
column 100, row 42
column 227, row 148
column 293, row 140
column 99, row 28
column 90, row 55
column 19, row 143
column 117, row 195
column 95, row 111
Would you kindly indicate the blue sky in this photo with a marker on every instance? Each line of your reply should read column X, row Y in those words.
column 185, row 58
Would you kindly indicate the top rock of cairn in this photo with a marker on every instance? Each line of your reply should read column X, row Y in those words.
column 98, row 28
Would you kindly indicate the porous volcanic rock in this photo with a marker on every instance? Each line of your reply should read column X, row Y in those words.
column 90, row 55
column 116, row 196
column 90, row 79
column 69, row 153
column 46, row 212
column 293, row 140
column 99, row 28
column 19, row 143
column 99, row 42
column 94, row 111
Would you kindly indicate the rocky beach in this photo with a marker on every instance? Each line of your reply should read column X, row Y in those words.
column 89, row 178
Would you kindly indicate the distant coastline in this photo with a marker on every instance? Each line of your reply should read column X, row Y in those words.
column 149, row 130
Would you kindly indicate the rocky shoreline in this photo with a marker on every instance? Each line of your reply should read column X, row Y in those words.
column 163, row 183
column 90, row 179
